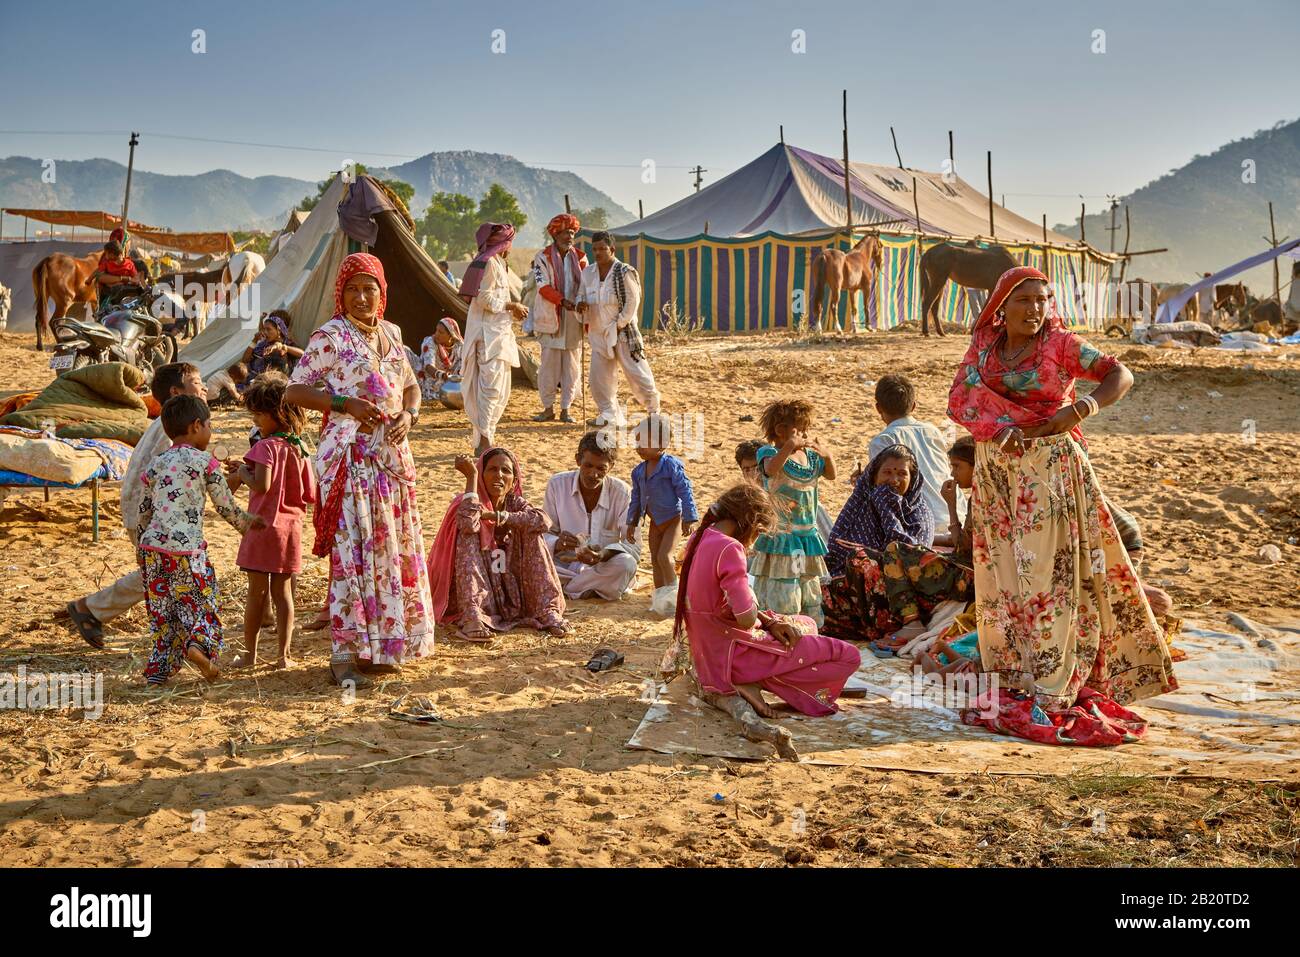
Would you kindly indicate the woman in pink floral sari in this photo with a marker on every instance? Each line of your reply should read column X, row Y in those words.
column 355, row 370
column 1060, row 612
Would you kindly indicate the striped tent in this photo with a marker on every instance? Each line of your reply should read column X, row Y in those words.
column 736, row 256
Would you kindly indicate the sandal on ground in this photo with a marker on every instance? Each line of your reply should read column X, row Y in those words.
column 359, row 681
column 566, row 417
column 473, row 638
column 604, row 659
column 882, row 648
column 419, row 710
column 546, row 415
column 90, row 627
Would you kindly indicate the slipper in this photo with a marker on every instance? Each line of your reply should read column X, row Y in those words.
column 419, row 711
column 487, row 638
column 604, row 659
column 90, row 627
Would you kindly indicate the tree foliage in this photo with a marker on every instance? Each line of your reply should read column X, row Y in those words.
column 451, row 219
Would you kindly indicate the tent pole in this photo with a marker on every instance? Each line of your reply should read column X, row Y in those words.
column 952, row 163
column 640, row 209
column 1083, row 212
column 566, row 204
column 782, row 128
column 1272, row 231
column 1047, row 259
column 896, row 153
column 992, row 232
column 916, row 208
column 848, row 194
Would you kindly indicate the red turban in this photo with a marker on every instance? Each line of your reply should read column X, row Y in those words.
column 563, row 221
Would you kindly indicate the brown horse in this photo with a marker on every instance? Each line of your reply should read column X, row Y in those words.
column 851, row 272
column 67, row 281
column 968, row 265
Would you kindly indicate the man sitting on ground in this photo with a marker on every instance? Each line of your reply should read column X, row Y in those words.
column 587, row 508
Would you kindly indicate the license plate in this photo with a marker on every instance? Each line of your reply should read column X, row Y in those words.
column 62, row 362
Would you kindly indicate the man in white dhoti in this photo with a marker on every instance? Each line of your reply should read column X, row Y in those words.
column 587, row 508
column 490, row 350
column 557, row 274
column 609, row 300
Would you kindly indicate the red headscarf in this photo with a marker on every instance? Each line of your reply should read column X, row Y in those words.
column 561, row 222
column 491, row 238
column 442, row 556
column 990, row 323
column 355, row 265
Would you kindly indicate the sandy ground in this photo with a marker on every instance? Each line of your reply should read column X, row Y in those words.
column 530, row 766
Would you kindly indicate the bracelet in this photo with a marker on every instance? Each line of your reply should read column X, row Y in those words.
column 338, row 402
column 1091, row 403
column 1006, row 437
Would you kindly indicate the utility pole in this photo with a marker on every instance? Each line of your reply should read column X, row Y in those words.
column 130, row 165
column 696, row 173
column 1114, row 210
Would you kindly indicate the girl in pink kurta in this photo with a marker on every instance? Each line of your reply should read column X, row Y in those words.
column 489, row 568
column 717, row 612
column 281, row 484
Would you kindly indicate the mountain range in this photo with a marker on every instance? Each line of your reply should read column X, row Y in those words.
column 220, row 199
column 1212, row 211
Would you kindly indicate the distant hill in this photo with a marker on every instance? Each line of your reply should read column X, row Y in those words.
column 1206, row 216
column 540, row 191
column 220, row 199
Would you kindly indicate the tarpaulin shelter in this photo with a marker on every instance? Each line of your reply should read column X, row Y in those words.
column 193, row 243
column 737, row 255
column 350, row 217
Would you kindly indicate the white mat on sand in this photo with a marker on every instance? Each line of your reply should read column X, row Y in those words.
column 1236, row 714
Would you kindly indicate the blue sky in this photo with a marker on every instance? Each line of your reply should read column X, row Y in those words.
column 612, row 84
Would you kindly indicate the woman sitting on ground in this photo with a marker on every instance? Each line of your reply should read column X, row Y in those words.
column 489, row 568
column 717, row 614
column 917, row 579
column 887, row 505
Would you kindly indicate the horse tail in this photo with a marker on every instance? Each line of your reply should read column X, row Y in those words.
column 39, row 289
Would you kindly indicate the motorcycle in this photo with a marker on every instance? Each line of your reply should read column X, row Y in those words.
column 126, row 332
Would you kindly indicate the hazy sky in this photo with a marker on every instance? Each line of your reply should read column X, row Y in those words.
column 598, row 88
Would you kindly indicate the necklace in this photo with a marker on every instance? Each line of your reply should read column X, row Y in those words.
column 1009, row 361
column 362, row 327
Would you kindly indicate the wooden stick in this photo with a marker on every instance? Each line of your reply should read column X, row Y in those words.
column 896, row 153
column 752, row 726
column 992, row 232
column 375, row 764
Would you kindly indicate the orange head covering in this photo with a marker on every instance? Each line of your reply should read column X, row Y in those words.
column 360, row 264
column 990, row 323
column 563, row 221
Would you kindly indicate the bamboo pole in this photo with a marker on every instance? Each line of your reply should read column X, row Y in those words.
column 848, row 192
column 896, row 153
column 992, row 232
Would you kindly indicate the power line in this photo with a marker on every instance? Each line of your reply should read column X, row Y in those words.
column 308, row 149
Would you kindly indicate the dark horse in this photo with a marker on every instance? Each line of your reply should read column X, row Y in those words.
column 851, row 272
column 967, row 265
column 211, row 283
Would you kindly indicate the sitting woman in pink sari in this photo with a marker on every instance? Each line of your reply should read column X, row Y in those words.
column 489, row 568
column 717, row 612
column 1060, row 611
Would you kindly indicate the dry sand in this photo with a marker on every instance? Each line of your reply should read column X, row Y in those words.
column 530, row 766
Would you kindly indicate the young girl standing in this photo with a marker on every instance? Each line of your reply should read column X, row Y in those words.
column 281, row 484
column 787, row 563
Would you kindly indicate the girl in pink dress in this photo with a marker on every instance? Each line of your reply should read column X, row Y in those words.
column 717, row 611
column 281, row 484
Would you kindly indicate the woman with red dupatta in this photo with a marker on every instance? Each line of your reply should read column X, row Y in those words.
column 490, row 567
column 355, row 370
column 1061, row 614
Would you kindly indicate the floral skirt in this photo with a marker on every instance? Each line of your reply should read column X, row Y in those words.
column 1059, row 608
column 381, row 609
column 855, row 604
column 917, row 579
column 180, row 593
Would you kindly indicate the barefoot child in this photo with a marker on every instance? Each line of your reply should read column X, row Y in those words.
column 717, row 614
column 661, row 490
column 180, row 586
column 788, row 563
column 281, row 484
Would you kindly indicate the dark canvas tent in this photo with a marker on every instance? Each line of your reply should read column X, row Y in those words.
column 17, row 260
column 350, row 217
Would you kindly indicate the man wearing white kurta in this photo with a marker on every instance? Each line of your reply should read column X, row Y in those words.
column 610, row 302
column 557, row 274
column 490, row 351
column 587, row 508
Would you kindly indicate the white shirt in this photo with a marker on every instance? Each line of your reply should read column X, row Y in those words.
column 488, row 320
column 216, row 384
column 931, row 451
column 604, row 525
column 603, row 317
column 152, row 444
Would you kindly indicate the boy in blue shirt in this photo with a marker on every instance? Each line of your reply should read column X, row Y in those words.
column 661, row 490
